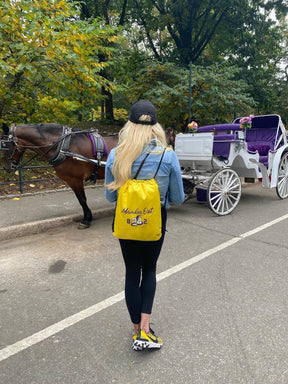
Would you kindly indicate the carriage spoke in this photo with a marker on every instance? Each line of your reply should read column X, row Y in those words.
column 216, row 199
column 231, row 199
column 282, row 181
column 283, row 186
column 224, row 204
column 235, row 185
column 230, row 182
column 228, row 203
column 219, row 207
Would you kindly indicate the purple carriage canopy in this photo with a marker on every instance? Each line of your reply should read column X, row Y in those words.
column 258, row 122
column 262, row 137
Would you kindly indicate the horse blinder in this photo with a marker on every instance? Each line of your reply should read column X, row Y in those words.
column 8, row 153
column 4, row 145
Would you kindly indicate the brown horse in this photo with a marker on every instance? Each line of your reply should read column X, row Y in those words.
column 53, row 142
column 170, row 136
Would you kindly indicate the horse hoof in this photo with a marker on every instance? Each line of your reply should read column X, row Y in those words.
column 83, row 225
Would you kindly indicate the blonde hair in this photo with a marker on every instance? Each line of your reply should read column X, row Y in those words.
column 133, row 140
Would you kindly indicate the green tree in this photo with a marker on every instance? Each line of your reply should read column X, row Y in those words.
column 190, row 24
column 113, row 12
column 49, row 61
column 216, row 93
column 257, row 46
column 247, row 34
column 193, row 26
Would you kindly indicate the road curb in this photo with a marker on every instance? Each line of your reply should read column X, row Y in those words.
column 36, row 227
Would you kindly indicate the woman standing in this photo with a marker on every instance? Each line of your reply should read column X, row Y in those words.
column 140, row 135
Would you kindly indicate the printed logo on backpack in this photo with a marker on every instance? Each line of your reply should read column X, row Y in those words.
column 138, row 209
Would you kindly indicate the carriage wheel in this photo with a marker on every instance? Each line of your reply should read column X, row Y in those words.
column 224, row 191
column 282, row 181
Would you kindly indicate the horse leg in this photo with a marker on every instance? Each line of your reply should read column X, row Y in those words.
column 81, row 196
column 74, row 172
column 77, row 186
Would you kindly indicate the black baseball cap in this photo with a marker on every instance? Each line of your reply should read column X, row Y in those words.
column 143, row 107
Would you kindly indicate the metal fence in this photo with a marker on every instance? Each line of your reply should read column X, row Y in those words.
column 21, row 180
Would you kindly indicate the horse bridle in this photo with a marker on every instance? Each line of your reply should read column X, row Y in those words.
column 6, row 144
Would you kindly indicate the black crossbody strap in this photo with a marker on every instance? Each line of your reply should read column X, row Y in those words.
column 141, row 165
column 159, row 163
column 143, row 161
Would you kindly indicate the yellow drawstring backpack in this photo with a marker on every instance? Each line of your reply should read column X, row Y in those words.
column 138, row 209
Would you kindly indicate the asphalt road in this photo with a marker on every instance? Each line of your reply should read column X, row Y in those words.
column 220, row 306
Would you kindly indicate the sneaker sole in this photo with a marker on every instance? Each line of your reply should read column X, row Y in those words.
column 137, row 348
column 141, row 345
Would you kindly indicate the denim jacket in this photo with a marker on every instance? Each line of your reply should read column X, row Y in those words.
column 168, row 178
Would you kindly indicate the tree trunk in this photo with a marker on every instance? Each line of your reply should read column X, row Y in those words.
column 107, row 105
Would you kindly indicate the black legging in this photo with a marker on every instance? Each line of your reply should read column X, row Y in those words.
column 140, row 259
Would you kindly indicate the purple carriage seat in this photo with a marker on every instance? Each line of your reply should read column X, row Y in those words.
column 261, row 137
column 224, row 135
column 261, row 141
column 221, row 145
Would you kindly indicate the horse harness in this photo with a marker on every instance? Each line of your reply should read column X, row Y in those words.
column 63, row 144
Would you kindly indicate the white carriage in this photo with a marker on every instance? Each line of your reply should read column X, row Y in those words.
column 216, row 159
